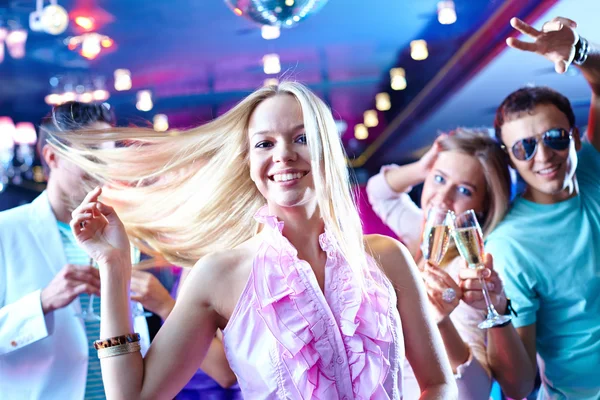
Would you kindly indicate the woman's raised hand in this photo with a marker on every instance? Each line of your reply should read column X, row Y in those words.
column 99, row 231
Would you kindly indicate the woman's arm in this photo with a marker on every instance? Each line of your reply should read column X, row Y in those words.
column 437, row 281
column 186, row 335
column 179, row 347
column 215, row 363
column 466, row 350
column 424, row 347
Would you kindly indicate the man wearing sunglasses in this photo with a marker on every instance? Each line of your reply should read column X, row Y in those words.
column 548, row 247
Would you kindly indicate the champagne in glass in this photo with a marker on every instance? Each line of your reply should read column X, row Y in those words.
column 436, row 236
column 470, row 245
column 469, row 241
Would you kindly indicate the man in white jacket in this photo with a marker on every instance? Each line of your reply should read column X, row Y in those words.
column 45, row 279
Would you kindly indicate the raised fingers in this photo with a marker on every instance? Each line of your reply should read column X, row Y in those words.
column 441, row 275
column 524, row 28
column 92, row 196
column 521, row 45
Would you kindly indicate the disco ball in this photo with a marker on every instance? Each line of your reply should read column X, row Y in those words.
column 283, row 13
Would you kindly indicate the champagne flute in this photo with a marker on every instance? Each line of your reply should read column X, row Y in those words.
column 436, row 235
column 88, row 314
column 469, row 241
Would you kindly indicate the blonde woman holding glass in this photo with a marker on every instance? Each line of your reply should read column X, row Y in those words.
column 309, row 307
column 462, row 171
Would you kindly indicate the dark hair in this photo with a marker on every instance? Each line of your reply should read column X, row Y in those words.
column 69, row 116
column 525, row 100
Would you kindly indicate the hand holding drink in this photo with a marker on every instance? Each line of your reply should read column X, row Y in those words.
column 444, row 293
column 469, row 241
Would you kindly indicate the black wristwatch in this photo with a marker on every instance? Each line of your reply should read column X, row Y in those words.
column 509, row 310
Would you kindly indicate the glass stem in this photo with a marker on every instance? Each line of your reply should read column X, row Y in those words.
column 488, row 301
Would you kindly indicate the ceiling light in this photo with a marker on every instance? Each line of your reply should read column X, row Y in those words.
column 446, row 12
column 370, row 118
column 90, row 44
column 398, row 78
column 25, row 133
column 269, row 32
column 418, row 50
column 7, row 128
column 53, row 99
column 361, row 132
column 86, row 23
column 271, row 64
column 15, row 42
column 122, row 79
column 382, row 101
column 107, row 42
column 161, row 123
column 100, row 95
column 90, row 47
column 86, row 97
column 67, row 96
column 144, row 100
column 55, row 19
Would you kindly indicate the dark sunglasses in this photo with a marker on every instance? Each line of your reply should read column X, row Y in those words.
column 555, row 139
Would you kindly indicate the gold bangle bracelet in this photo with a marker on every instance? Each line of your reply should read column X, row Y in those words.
column 117, row 340
column 119, row 350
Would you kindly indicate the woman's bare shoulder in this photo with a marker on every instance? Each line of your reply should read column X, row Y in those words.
column 393, row 257
column 224, row 265
column 381, row 245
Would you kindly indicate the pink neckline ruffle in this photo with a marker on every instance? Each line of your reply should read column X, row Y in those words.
column 289, row 302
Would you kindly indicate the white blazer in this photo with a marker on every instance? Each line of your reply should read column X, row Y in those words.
column 41, row 356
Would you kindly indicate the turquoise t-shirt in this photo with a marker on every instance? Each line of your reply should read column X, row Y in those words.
column 549, row 258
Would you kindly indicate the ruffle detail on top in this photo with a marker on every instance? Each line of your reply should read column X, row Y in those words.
column 364, row 323
column 288, row 302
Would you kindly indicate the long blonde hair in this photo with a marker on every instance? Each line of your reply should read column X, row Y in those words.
column 494, row 164
column 183, row 194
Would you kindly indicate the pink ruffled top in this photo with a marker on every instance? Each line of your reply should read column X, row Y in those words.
column 287, row 339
